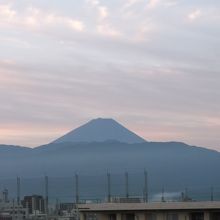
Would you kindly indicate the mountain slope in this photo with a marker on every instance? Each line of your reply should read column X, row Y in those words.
column 172, row 165
column 11, row 150
column 100, row 130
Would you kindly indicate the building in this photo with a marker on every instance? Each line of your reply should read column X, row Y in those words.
column 5, row 196
column 151, row 211
column 66, row 211
column 67, row 206
column 34, row 204
column 10, row 210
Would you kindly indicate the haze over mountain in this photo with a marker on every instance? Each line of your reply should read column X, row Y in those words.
column 101, row 130
column 103, row 144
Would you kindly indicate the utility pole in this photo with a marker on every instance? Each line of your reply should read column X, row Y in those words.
column 57, row 206
column 46, row 196
column 77, row 194
column 186, row 194
column 18, row 196
column 162, row 196
column 126, row 185
column 145, row 186
column 212, row 194
column 13, row 208
column 35, row 208
column 77, row 187
column 109, row 186
column 18, row 190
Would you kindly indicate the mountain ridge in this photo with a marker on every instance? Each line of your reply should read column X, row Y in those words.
column 172, row 163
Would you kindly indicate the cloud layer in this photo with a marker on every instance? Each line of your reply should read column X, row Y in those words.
column 151, row 64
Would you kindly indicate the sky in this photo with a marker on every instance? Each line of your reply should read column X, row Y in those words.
column 152, row 65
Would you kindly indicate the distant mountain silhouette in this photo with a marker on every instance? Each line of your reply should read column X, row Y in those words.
column 171, row 164
column 100, row 130
column 11, row 150
column 103, row 144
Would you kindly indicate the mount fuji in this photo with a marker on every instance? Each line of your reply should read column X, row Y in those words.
column 100, row 130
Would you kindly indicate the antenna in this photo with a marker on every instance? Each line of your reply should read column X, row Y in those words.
column 145, row 186
column 57, row 206
column 77, row 187
column 46, row 195
column 13, row 209
column 162, row 196
column 186, row 194
column 212, row 194
column 126, row 185
column 109, row 186
column 18, row 190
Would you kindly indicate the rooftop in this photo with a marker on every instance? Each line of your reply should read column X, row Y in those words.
column 149, row 206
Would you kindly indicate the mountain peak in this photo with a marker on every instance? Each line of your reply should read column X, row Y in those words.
column 101, row 130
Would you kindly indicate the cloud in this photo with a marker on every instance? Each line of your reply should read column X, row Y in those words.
column 35, row 18
column 75, row 24
column 6, row 12
column 131, row 3
column 102, row 10
column 72, row 61
column 103, row 23
column 18, row 134
column 144, row 31
column 93, row 2
column 107, row 30
column 194, row 14
column 38, row 19
column 151, row 4
column 170, row 3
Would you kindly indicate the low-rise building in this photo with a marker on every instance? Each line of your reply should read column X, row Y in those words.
column 151, row 211
column 12, row 211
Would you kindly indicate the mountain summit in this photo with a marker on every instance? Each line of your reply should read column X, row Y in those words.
column 101, row 130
